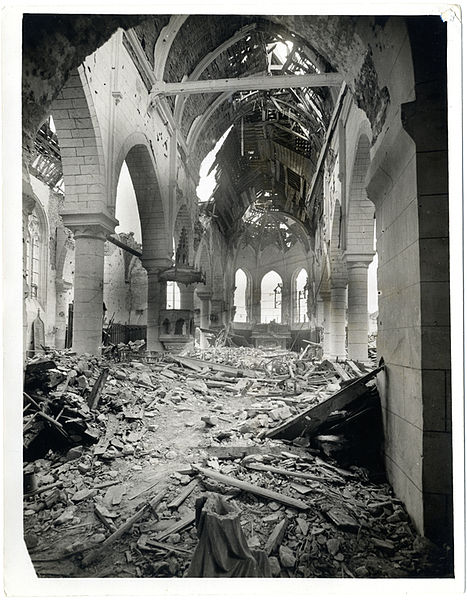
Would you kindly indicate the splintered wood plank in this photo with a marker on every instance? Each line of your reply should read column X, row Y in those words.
column 253, row 489
column 178, row 526
column 198, row 365
column 92, row 556
column 296, row 474
column 94, row 396
column 180, row 499
column 276, row 537
column 311, row 419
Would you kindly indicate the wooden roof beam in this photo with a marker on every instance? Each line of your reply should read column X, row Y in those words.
column 253, row 82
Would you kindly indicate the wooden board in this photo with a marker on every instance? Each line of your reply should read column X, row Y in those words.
column 311, row 419
column 253, row 489
column 198, row 365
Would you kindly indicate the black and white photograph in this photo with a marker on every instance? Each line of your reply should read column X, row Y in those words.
column 233, row 345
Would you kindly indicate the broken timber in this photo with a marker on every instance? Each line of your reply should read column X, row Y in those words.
column 96, row 391
column 197, row 365
column 296, row 474
column 92, row 556
column 311, row 419
column 253, row 489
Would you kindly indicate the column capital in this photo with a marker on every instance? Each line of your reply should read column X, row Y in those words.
column 205, row 294
column 91, row 225
column 155, row 266
column 62, row 286
column 358, row 260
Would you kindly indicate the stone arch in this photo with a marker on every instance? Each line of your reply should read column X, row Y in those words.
column 275, row 311
column 358, row 232
column 295, row 307
column 37, row 253
column 137, row 154
column 81, row 147
column 248, row 299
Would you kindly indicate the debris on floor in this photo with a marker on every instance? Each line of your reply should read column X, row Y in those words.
column 135, row 466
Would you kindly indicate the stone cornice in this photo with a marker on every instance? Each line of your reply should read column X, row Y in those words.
column 90, row 224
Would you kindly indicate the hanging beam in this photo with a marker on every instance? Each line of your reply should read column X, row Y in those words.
column 254, row 82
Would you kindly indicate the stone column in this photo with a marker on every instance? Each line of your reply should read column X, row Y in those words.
column 157, row 301
column 28, row 206
column 61, row 310
column 186, row 296
column 88, row 289
column 326, row 323
column 357, row 311
column 337, row 346
column 205, row 296
column 90, row 232
column 286, row 304
column 256, row 302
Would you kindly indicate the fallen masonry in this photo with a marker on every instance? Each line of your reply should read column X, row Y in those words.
column 136, row 466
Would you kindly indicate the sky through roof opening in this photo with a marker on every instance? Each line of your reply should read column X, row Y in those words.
column 207, row 175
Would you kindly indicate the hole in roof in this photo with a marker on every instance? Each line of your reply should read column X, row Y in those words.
column 207, row 174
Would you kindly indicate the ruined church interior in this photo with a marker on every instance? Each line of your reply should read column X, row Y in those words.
column 236, row 314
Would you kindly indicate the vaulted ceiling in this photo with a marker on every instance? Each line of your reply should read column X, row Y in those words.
column 273, row 146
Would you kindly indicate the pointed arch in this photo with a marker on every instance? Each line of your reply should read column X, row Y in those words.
column 81, row 147
column 136, row 152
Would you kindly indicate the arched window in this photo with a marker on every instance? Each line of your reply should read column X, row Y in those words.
column 240, row 296
column 271, row 297
column 173, row 295
column 126, row 205
column 36, row 257
column 301, row 296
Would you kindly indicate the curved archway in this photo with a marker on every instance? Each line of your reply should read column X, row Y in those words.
column 271, row 297
column 240, row 296
column 81, row 147
column 136, row 152
column 300, row 295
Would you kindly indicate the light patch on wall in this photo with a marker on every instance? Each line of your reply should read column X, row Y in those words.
column 207, row 177
column 126, row 206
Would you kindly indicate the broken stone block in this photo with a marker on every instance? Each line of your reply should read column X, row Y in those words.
column 275, row 566
column 31, row 540
column 66, row 516
column 287, row 557
column 82, row 382
column 210, row 421
column 84, row 468
column 333, row 546
column 74, row 453
column 84, row 495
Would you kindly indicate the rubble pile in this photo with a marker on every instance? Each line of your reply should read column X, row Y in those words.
column 130, row 447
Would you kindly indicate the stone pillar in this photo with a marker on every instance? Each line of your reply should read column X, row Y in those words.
column 357, row 311
column 326, row 323
column 286, row 304
column 205, row 296
column 186, row 296
column 337, row 345
column 61, row 310
column 157, row 301
column 256, row 302
column 88, row 289
column 90, row 231
column 28, row 206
